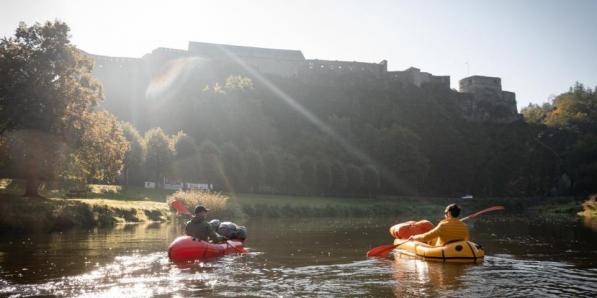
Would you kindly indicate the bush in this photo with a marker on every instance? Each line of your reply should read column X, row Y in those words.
column 220, row 206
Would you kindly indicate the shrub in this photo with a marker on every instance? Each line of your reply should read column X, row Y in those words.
column 220, row 206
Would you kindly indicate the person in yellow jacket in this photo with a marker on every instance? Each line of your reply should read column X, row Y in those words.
column 448, row 230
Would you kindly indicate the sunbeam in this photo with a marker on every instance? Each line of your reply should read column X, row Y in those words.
column 383, row 171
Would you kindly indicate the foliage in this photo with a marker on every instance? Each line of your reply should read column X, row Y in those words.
column 290, row 182
column 33, row 155
column 238, row 83
column 159, row 155
column 255, row 172
column 234, row 166
column 103, row 147
column 272, row 170
column 186, row 158
column 211, row 165
column 134, row 157
column 534, row 113
column 46, row 90
column 570, row 131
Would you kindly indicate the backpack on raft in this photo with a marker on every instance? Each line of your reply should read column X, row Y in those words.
column 229, row 229
column 410, row 228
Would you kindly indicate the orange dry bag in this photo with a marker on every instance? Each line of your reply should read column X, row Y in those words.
column 410, row 228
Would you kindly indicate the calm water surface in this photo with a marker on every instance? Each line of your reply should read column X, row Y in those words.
column 303, row 257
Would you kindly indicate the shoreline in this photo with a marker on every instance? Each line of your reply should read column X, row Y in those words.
column 106, row 206
column 26, row 215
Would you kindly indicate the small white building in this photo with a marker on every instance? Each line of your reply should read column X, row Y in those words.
column 199, row 186
column 181, row 185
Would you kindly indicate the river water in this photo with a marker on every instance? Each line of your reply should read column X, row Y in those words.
column 303, row 257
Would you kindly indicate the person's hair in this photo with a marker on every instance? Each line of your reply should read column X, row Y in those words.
column 453, row 209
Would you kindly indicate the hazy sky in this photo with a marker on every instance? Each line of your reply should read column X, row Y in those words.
column 538, row 48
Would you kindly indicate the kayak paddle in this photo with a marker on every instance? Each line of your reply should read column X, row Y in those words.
column 384, row 250
column 494, row 208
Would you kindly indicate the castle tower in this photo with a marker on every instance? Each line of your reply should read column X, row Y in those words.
column 478, row 84
column 488, row 101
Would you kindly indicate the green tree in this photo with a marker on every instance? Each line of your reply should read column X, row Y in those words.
column 354, row 177
column 35, row 155
column 308, row 174
column 407, row 166
column 186, row 158
column 576, row 112
column 211, row 165
column 291, row 174
column 134, row 157
column 323, row 176
column 534, row 113
column 159, row 155
column 46, row 89
column 103, row 147
column 235, row 166
column 271, row 168
column 339, row 179
column 238, row 83
column 255, row 172
column 370, row 180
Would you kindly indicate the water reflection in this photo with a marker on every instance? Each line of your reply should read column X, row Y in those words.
column 590, row 223
column 422, row 278
column 55, row 255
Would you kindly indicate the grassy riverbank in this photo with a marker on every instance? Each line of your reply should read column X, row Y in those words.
column 106, row 205
column 19, row 214
column 417, row 207
column 100, row 206
column 257, row 205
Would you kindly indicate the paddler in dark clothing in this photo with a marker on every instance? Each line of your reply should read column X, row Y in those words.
column 199, row 228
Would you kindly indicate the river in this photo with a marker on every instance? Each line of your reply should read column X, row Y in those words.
column 303, row 257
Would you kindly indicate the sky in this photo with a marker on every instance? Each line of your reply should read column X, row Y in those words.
column 538, row 47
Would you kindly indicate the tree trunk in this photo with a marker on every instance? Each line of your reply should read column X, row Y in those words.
column 32, row 188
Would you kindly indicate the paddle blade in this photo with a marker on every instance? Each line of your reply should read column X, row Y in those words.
column 179, row 207
column 381, row 251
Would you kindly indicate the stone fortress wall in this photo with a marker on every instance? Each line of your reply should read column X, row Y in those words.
column 292, row 63
column 275, row 61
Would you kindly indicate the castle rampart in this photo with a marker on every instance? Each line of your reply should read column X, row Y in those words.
column 414, row 76
column 133, row 74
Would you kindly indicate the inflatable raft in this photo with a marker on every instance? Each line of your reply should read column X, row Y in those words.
column 455, row 252
column 187, row 248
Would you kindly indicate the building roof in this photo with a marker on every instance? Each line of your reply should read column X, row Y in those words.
column 480, row 77
column 218, row 50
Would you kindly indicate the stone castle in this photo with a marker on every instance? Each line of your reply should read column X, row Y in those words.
column 132, row 75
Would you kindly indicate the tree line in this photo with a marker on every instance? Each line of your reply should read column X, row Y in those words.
column 177, row 158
